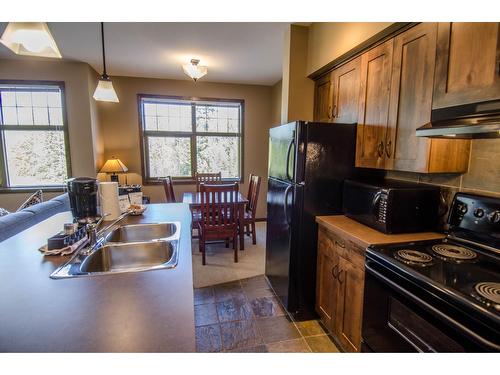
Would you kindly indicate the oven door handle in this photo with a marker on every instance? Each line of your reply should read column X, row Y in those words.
column 416, row 299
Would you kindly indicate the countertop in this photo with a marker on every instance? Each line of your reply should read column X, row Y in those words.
column 365, row 236
column 148, row 311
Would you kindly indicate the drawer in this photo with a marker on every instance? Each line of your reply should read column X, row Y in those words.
column 333, row 243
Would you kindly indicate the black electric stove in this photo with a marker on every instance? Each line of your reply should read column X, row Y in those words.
column 438, row 295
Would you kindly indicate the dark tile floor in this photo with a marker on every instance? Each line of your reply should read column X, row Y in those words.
column 245, row 316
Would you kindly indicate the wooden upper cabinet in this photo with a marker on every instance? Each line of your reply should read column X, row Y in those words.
column 346, row 92
column 410, row 107
column 373, row 110
column 468, row 63
column 323, row 99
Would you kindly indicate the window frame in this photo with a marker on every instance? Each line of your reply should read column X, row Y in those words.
column 4, row 188
column 143, row 136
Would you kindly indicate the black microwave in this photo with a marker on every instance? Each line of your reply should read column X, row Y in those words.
column 392, row 206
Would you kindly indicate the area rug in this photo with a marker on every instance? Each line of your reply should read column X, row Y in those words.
column 220, row 267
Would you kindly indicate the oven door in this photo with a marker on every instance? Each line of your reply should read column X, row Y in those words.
column 397, row 317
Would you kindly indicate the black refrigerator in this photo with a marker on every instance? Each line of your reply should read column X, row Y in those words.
column 308, row 163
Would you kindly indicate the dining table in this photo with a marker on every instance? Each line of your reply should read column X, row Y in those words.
column 194, row 201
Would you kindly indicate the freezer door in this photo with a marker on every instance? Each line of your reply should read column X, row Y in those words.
column 282, row 151
column 278, row 240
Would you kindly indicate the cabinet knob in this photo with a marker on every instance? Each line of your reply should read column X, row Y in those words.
column 388, row 149
column 334, row 274
column 339, row 276
column 380, row 149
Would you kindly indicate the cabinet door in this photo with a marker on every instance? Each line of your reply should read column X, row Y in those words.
column 346, row 92
column 323, row 99
column 468, row 63
column 373, row 111
column 326, row 283
column 411, row 98
column 350, row 306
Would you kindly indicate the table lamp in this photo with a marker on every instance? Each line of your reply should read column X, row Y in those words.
column 114, row 166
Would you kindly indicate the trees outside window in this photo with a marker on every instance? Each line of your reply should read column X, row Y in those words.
column 183, row 136
column 33, row 135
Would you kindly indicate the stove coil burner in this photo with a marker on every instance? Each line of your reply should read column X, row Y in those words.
column 488, row 293
column 454, row 253
column 414, row 257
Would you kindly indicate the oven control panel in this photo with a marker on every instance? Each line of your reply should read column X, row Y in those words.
column 477, row 214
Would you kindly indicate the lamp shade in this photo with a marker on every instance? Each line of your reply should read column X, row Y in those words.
column 194, row 70
column 113, row 165
column 30, row 39
column 105, row 92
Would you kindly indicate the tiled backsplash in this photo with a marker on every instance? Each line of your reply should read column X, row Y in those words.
column 483, row 177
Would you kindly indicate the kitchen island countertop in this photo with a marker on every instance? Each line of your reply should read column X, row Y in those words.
column 149, row 311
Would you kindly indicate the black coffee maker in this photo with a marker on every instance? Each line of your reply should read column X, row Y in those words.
column 82, row 193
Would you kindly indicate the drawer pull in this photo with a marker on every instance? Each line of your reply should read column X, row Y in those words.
column 340, row 244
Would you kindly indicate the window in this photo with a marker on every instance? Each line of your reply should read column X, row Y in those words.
column 33, row 136
column 182, row 136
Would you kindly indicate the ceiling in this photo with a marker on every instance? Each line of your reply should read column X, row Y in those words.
column 249, row 53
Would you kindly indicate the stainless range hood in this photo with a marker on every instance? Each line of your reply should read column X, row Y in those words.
column 468, row 121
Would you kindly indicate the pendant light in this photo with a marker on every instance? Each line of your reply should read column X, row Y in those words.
column 30, row 39
column 194, row 70
column 105, row 91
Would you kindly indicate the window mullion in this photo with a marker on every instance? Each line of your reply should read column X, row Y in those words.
column 194, row 161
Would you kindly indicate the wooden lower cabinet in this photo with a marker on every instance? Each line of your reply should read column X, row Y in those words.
column 339, row 288
column 350, row 305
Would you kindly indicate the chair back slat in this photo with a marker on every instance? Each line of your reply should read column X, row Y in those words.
column 253, row 193
column 169, row 189
column 219, row 205
column 207, row 178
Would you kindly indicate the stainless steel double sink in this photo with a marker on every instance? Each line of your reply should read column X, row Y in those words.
column 128, row 248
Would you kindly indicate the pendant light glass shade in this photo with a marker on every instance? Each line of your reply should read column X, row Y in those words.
column 104, row 91
column 30, row 39
column 194, row 70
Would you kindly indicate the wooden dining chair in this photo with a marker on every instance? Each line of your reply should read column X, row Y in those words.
column 207, row 178
column 219, row 216
column 251, row 207
column 169, row 189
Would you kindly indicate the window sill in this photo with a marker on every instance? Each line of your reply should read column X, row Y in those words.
column 153, row 182
column 45, row 189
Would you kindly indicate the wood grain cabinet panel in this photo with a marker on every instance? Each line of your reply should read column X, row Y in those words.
column 327, row 285
column 410, row 106
column 468, row 63
column 323, row 99
column 339, row 288
column 350, row 307
column 373, row 111
column 346, row 92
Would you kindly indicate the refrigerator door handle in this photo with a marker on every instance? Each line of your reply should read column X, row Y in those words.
column 285, row 206
column 292, row 142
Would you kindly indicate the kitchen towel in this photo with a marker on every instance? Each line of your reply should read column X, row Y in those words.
column 108, row 196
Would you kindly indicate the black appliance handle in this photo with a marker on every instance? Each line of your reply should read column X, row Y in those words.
column 287, row 190
column 289, row 149
column 432, row 309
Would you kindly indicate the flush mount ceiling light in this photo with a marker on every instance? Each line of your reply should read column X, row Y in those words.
column 30, row 39
column 104, row 91
column 194, row 70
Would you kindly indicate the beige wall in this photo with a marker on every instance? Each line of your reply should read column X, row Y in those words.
column 120, row 125
column 329, row 40
column 77, row 80
column 297, row 97
column 276, row 103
